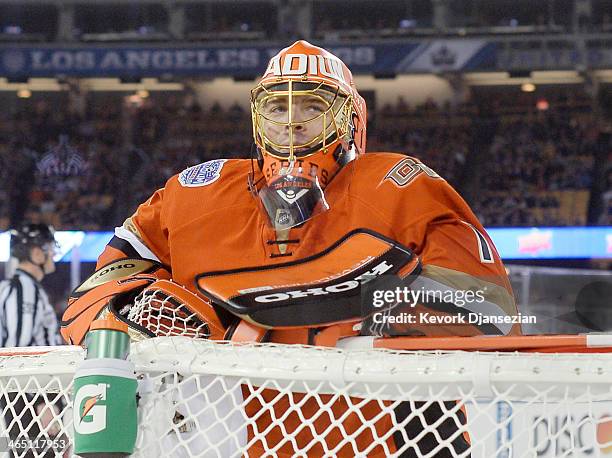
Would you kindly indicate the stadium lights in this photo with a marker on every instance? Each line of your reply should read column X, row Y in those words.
column 134, row 100
column 542, row 105
column 528, row 87
column 24, row 93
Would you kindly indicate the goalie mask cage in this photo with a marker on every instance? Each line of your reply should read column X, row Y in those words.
column 218, row 399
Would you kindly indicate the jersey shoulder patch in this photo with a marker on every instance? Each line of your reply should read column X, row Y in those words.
column 202, row 174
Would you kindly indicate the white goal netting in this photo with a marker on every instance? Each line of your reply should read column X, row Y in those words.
column 201, row 398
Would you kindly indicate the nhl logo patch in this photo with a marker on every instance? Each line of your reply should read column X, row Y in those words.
column 202, row 174
column 283, row 218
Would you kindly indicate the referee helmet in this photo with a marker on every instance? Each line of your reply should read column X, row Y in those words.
column 30, row 235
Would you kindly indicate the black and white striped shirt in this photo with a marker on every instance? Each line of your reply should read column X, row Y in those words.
column 26, row 316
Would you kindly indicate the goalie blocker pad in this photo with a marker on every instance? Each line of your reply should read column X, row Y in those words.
column 318, row 290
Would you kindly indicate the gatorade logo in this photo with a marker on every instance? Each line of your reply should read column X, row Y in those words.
column 89, row 415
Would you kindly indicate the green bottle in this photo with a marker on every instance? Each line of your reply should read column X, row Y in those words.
column 104, row 402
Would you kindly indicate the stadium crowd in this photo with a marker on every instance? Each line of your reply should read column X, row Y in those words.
column 60, row 166
column 86, row 165
column 539, row 170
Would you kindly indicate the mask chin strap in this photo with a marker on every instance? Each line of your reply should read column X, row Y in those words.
column 345, row 156
column 253, row 183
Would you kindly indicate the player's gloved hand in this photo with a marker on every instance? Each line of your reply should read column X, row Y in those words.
column 124, row 277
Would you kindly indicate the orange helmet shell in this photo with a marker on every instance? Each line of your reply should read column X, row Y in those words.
column 304, row 62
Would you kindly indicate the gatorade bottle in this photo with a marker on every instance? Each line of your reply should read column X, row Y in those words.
column 104, row 410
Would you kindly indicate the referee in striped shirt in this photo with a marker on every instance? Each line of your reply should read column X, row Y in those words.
column 27, row 318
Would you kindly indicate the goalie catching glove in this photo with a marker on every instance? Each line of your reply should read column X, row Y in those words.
column 120, row 281
column 139, row 292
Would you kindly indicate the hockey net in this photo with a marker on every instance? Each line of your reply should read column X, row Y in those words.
column 218, row 399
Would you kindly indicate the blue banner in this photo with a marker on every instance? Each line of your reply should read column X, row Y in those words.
column 553, row 242
column 511, row 243
column 388, row 58
column 246, row 61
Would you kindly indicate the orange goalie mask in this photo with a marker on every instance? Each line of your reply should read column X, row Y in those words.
column 308, row 122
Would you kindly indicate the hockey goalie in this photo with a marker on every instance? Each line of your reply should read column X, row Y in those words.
column 278, row 248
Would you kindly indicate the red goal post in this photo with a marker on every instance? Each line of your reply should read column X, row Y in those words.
column 205, row 398
column 581, row 343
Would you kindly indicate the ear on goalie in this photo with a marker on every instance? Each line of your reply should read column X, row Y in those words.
column 88, row 300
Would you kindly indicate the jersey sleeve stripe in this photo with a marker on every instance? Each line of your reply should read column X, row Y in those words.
column 489, row 286
column 484, row 250
column 35, row 311
column 19, row 307
column 140, row 248
column 486, row 307
column 123, row 246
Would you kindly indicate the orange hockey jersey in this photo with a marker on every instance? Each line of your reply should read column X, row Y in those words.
column 206, row 220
